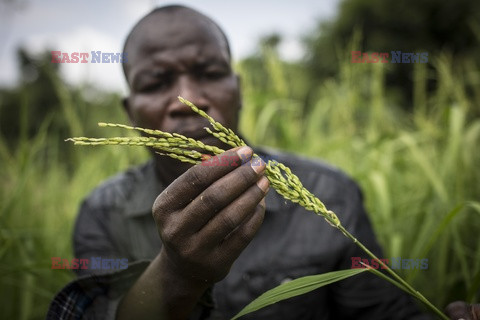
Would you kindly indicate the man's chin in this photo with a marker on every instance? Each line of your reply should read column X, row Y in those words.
column 168, row 169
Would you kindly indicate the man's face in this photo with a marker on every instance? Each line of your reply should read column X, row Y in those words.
column 170, row 56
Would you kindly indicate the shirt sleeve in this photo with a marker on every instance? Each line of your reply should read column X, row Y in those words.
column 94, row 297
column 96, row 293
column 367, row 296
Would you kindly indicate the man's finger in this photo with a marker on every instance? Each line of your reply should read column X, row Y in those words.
column 220, row 194
column 238, row 240
column 190, row 184
column 476, row 311
column 462, row 310
column 233, row 216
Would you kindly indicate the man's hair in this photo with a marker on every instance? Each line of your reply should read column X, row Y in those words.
column 173, row 9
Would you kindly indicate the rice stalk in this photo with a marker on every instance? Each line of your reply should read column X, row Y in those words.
column 281, row 178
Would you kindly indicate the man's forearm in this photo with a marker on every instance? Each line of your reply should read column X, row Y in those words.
column 158, row 294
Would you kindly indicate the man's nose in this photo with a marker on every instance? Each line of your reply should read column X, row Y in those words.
column 191, row 90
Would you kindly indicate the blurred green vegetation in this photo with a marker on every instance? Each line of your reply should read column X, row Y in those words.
column 419, row 170
column 418, row 167
column 431, row 26
column 43, row 179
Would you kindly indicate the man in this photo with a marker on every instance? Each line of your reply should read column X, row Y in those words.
column 218, row 238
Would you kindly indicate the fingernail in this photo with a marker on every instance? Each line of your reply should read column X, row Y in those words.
column 257, row 164
column 245, row 153
column 263, row 184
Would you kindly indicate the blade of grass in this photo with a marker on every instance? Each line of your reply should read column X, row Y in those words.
column 423, row 161
column 428, row 244
column 296, row 287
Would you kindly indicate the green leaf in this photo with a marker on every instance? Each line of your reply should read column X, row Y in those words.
column 475, row 205
column 431, row 240
column 296, row 287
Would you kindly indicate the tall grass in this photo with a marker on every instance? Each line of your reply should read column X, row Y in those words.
column 42, row 183
column 419, row 171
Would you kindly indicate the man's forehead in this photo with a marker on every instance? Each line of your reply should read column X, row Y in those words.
column 164, row 28
column 164, row 31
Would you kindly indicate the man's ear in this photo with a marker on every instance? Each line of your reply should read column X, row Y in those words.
column 126, row 107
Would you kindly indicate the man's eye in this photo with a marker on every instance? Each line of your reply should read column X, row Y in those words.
column 157, row 84
column 151, row 87
column 156, row 81
column 213, row 74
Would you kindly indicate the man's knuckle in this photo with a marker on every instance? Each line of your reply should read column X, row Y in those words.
column 228, row 222
column 234, row 161
column 247, row 175
column 197, row 176
column 170, row 234
column 245, row 236
column 209, row 200
column 158, row 207
column 189, row 252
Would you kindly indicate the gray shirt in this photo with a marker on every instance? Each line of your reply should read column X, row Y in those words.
column 115, row 221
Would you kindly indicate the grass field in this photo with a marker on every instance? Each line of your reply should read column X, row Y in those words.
column 419, row 170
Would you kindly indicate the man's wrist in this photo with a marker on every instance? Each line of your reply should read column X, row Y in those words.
column 179, row 291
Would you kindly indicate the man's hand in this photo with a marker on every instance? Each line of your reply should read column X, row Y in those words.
column 208, row 215
column 461, row 310
column 205, row 219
